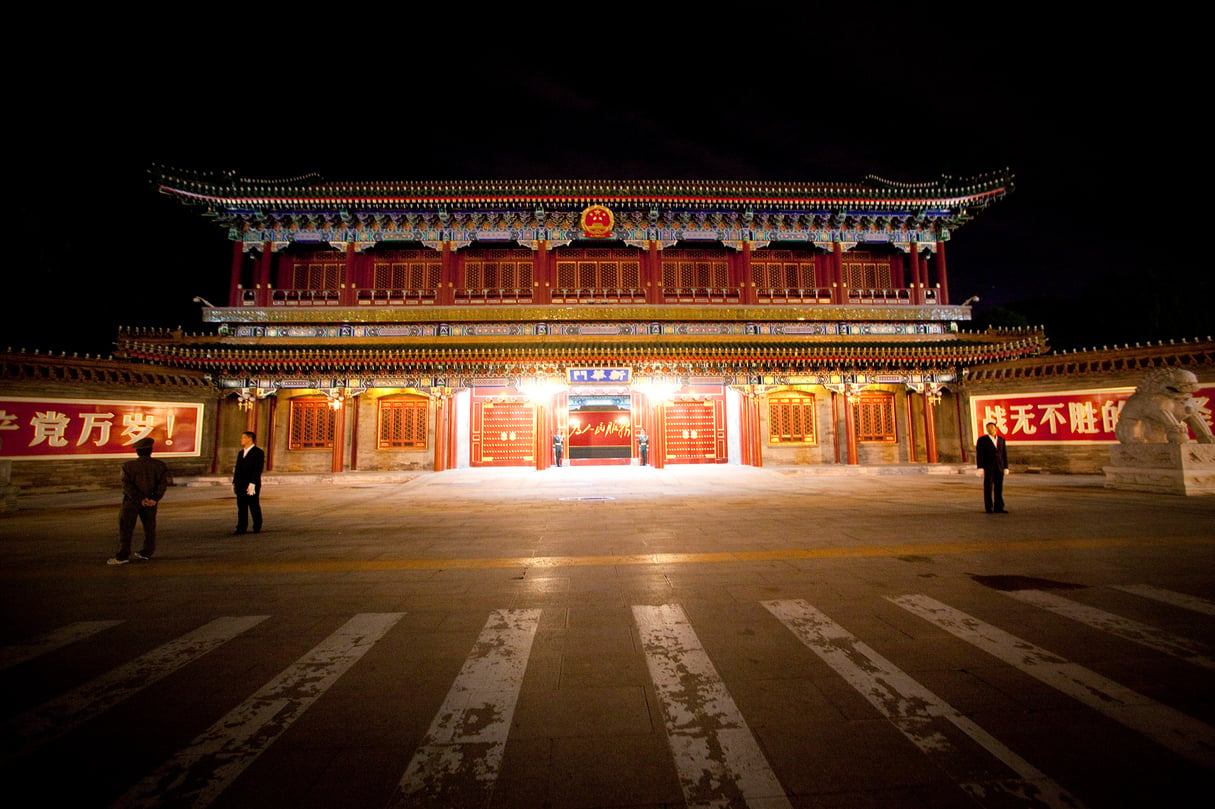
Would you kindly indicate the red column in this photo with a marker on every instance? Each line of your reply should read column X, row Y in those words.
column 838, row 293
column 452, row 428
column 263, row 275
column 447, row 270
column 234, row 290
column 910, row 429
column 850, row 428
column 219, row 409
column 746, row 286
column 653, row 278
column 757, row 447
column 354, row 434
column 898, row 274
column 347, row 293
column 835, row 424
column 339, row 439
column 542, row 287
column 930, row 429
column 942, row 277
column 542, row 443
column 272, row 405
column 957, row 400
column 440, row 433
column 658, row 441
column 917, row 280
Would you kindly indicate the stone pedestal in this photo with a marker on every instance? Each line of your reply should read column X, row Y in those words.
column 1187, row 469
column 8, row 493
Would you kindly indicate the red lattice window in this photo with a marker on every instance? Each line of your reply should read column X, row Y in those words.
column 782, row 269
column 874, row 414
column 791, row 419
column 311, row 424
column 498, row 269
column 318, row 272
column 694, row 269
column 413, row 270
column 599, row 269
column 865, row 271
column 403, row 423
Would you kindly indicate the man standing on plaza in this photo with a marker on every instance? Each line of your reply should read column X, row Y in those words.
column 643, row 446
column 247, row 483
column 558, row 446
column 144, row 481
column 991, row 455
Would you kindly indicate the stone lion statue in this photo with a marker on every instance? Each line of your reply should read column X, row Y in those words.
column 1161, row 408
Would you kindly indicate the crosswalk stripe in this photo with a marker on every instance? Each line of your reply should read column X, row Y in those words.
column 1164, row 725
column 53, row 719
column 1183, row 600
column 914, row 711
column 457, row 763
column 17, row 653
column 716, row 755
column 1149, row 636
column 200, row 772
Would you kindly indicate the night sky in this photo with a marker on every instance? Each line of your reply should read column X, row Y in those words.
column 1102, row 242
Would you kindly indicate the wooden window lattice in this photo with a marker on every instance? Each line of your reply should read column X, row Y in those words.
column 311, row 424
column 781, row 270
column 791, row 420
column 403, row 423
column 695, row 269
column 874, row 415
column 415, row 276
column 866, row 271
column 316, row 275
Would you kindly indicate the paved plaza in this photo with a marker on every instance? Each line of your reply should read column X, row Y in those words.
column 592, row 637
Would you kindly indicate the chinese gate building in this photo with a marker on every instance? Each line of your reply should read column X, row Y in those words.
column 381, row 326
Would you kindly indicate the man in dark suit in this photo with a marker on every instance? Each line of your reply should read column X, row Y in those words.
column 247, row 483
column 992, row 457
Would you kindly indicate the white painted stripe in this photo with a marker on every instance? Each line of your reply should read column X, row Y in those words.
column 458, row 761
column 52, row 719
column 917, row 712
column 718, row 760
column 1189, row 650
column 200, row 772
column 17, row 653
column 1164, row 725
column 1183, row 600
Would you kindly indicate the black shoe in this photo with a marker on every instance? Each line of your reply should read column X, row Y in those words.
column 257, row 530
column 238, row 533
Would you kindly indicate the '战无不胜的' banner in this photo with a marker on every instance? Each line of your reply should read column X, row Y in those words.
column 1060, row 417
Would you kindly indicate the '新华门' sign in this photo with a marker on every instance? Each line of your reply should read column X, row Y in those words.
column 32, row 429
column 1062, row 417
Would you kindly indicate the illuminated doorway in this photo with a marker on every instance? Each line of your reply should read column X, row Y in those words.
column 600, row 429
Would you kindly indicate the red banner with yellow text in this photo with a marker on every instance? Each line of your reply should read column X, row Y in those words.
column 1061, row 417
column 34, row 429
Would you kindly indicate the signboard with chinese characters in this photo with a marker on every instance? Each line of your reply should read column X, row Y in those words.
column 581, row 376
column 40, row 429
column 1064, row 417
column 600, row 434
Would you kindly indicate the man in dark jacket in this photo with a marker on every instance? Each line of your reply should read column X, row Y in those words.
column 991, row 455
column 247, row 483
column 144, row 481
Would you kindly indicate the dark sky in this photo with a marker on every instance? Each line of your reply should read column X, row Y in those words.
column 1101, row 242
